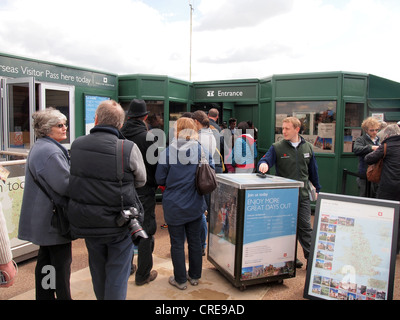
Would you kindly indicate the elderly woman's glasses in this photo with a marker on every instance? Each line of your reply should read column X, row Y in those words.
column 60, row 125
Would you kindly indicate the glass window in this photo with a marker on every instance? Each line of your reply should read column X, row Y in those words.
column 62, row 98
column 17, row 110
column 176, row 109
column 155, row 119
column 156, row 113
column 353, row 117
column 19, row 116
column 318, row 119
column 59, row 100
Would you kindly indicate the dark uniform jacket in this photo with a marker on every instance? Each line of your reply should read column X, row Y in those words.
column 294, row 163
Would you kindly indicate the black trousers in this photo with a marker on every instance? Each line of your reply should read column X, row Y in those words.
column 53, row 272
column 146, row 246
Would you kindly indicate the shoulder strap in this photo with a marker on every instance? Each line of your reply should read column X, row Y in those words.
column 384, row 150
column 202, row 158
column 120, row 176
column 120, row 160
column 120, row 167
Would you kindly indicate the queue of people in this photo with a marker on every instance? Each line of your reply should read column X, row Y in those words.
column 89, row 180
column 108, row 172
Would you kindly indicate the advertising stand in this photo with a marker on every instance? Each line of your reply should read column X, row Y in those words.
column 253, row 223
column 12, row 180
column 353, row 249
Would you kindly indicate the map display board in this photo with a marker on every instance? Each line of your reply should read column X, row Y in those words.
column 353, row 249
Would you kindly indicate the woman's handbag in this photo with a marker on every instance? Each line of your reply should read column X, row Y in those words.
column 206, row 179
column 374, row 170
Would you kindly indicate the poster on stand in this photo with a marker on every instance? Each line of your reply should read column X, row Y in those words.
column 269, row 235
column 222, row 236
column 353, row 249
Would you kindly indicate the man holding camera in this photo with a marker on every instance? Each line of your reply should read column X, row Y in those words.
column 104, row 175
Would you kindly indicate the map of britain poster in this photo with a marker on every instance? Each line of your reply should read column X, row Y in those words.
column 353, row 250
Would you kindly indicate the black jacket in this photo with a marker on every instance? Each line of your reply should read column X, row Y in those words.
column 94, row 187
column 389, row 186
column 136, row 131
column 363, row 146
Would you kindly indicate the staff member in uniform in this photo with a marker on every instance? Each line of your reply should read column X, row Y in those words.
column 294, row 159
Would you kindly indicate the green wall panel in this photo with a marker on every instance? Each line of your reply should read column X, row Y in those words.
column 298, row 88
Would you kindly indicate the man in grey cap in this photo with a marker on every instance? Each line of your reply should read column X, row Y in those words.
column 135, row 130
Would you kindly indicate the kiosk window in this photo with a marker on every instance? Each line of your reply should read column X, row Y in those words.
column 318, row 119
column 156, row 114
column 59, row 100
column 155, row 119
column 18, row 116
column 176, row 109
column 353, row 117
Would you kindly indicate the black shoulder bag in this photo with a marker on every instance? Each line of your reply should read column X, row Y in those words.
column 206, row 179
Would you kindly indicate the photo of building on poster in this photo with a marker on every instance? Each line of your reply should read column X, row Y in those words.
column 352, row 252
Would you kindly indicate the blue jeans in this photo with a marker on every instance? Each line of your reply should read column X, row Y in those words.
column 177, row 237
column 110, row 265
column 204, row 230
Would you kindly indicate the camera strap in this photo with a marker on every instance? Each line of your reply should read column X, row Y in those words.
column 120, row 167
column 120, row 176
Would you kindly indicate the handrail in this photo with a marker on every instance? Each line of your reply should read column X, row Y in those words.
column 13, row 153
column 12, row 162
column 344, row 181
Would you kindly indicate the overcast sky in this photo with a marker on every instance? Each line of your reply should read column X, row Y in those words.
column 232, row 39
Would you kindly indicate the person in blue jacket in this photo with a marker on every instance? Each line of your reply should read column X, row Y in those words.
column 183, row 206
column 294, row 158
column 49, row 164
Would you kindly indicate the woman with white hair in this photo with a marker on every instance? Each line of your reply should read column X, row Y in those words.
column 48, row 164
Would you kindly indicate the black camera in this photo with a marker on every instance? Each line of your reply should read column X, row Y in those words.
column 129, row 217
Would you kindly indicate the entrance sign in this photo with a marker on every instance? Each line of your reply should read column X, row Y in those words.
column 231, row 93
column 353, row 249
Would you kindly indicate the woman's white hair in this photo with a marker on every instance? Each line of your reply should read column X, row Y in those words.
column 44, row 120
column 391, row 130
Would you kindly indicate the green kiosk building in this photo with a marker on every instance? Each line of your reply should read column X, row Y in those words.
column 331, row 105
